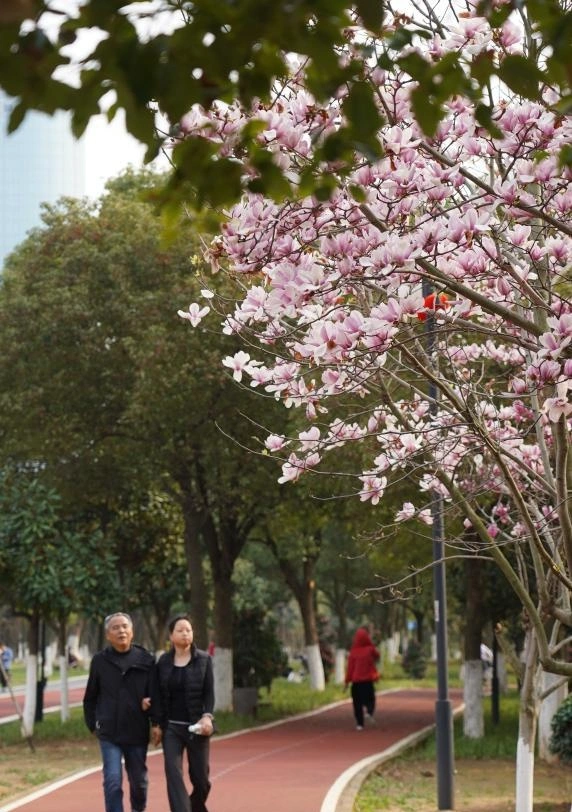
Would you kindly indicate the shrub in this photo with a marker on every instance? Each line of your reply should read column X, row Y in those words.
column 257, row 653
column 561, row 726
column 413, row 661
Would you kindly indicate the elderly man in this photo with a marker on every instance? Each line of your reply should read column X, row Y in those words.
column 118, row 706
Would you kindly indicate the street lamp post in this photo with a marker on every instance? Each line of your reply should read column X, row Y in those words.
column 443, row 712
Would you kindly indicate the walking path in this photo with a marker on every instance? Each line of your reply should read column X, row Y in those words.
column 303, row 764
column 52, row 698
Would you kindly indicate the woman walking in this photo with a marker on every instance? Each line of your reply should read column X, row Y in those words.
column 362, row 673
column 186, row 686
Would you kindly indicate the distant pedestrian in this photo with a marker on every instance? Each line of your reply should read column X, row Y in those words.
column 120, row 691
column 361, row 673
column 6, row 658
column 186, row 684
column 487, row 659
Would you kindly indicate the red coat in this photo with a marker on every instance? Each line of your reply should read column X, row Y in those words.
column 362, row 659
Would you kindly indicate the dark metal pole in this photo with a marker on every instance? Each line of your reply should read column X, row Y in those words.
column 495, row 709
column 443, row 711
column 41, row 683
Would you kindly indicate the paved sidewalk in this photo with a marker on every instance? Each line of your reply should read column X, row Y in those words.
column 300, row 764
column 52, row 699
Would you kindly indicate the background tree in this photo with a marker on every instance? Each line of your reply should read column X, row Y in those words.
column 48, row 564
column 119, row 433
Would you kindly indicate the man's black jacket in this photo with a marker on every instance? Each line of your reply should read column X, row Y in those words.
column 115, row 688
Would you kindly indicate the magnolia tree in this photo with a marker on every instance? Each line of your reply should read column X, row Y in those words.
column 419, row 307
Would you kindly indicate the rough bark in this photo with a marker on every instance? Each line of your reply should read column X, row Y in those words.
column 548, row 708
column 473, row 718
column 194, row 554
column 527, row 722
column 304, row 588
column 222, row 666
column 29, row 713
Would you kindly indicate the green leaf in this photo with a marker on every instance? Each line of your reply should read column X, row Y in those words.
column 482, row 67
column 361, row 111
column 221, row 184
column 565, row 157
column 358, row 193
column 336, row 146
column 483, row 114
column 371, row 13
column 17, row 116
column 427, row 112
column 272, row 183
column 521, row 75
column 564, row 105
column 415, row 65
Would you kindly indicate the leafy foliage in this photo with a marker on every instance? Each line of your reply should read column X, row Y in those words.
column 561, row 727
column 414, row 661
column 50, row 564
column 213, row 53
column 257, row 654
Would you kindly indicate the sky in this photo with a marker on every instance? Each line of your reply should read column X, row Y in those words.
column 109, row 150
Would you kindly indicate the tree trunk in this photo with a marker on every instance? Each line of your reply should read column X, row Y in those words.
column 527, row 721
column 548, row 708
column 303, row 587
column 63, row 664
column 223, row 678
column 305, row 595
column 223, row 635
column 194, row 554
column 315, row 667
column 309, row 621
column 419, row 616
column 473, row 718
column 340, row 667
column 29, row 713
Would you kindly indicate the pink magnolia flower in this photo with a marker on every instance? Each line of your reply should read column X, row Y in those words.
column 558, row 406
column 544, row 371
column 194, row 314
column 292, row 470
column 310, row 439
column 406, row 512
column 511, row 36
column 462, row 228
column 275, row 442
column 237, row 363
column 425, row 516
column 373, row 488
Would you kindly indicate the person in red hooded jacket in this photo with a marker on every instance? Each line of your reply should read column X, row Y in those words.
column 362, row 673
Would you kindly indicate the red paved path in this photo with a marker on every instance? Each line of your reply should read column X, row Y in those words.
column 52, row 699
column 284, row 767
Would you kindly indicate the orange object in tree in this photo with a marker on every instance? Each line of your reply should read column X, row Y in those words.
column 433, row 302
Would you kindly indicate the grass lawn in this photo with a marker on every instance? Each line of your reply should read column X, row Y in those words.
column 484, row 776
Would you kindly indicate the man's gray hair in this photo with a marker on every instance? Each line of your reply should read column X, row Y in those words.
column 109, row 618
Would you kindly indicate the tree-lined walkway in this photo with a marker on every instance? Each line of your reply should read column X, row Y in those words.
column 280, row 767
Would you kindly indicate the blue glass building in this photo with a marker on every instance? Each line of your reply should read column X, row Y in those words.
column 40, row 162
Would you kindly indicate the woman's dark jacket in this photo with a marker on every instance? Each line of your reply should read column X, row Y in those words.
column 112, row 700
column 199, row 683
